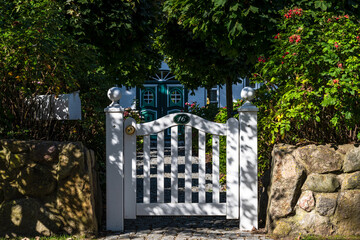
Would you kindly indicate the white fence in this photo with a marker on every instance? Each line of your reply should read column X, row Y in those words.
column 241, row 175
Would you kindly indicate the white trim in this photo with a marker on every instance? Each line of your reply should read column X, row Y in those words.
column 181, row 209
column 167, row 121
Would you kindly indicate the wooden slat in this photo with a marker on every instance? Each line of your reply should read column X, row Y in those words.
column 202, row 140
column 188, row 164
column 181, row 209
column 215, row 169
column 130, row 172
column 160, row 167
column 232, row 169
column 167, row 121
column 147, row 169
column 174, row 164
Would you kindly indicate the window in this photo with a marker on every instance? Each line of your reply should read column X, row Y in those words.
column 148, row 97
column 213, row 95
column 175, row 96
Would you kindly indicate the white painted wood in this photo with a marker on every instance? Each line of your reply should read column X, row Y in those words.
column 58, row 107
column 174, row 164
column 130, row 172
column 188, row 164
column 248, row 167
column 167, row 122
column 114, row 169
column 232, row 169
column 147, row 169
column 181, row 209
column 160, row 167
column 215, row 169
column 202, row 142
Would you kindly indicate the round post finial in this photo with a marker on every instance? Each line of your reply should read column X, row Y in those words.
column 247, row 94
column 114, row 94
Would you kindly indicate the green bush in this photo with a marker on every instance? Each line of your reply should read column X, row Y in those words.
column 311, row 81
column 39, row 57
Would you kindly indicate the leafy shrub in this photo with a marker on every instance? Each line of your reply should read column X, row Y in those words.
column 311, row 81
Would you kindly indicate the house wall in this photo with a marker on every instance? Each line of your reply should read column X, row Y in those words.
column 200, row 94
column 128, row 97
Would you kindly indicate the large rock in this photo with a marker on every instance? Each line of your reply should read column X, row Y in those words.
column 326, row 203
column 307, row 201
column 15, row 146
column 312, row 223
column 347, row 214
column 287, row 179
column 36, row 181
column 44, row 152
column 352, row 160
column 70, row 156
column 321, row 183
column 47, row 188
column 319, row 159
column 27, row 217
column 351, row 181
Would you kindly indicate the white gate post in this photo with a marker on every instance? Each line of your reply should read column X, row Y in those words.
column 114, row 162
column 248, row 161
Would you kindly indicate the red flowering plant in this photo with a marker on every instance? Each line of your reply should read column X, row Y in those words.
column 311, row 88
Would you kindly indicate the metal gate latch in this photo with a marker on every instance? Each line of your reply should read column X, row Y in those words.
column 130, row 130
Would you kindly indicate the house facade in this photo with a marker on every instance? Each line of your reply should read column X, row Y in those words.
column 162, row 94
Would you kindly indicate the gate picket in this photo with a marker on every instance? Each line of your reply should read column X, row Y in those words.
column 188, row 164
column 160, row 167
column 232, row 169
column 130, row 172
column 147, row 169
column 174, row 164
column 215, row 169
column 202, row 143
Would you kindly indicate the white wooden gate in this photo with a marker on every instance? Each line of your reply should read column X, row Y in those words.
column 241, row 175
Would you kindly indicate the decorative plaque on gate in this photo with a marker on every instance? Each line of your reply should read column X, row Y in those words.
column 181, row 119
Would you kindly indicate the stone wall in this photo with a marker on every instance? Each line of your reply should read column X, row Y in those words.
column 46, row 188
column 314, row 189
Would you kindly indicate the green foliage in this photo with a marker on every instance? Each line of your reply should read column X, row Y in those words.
column 311, row 90
column 55, row 47
column 122, row 32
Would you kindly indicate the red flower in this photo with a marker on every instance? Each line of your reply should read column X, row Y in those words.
column 295, row 38
column 282, row 62
column 336, row 45
column 293, row 12
column 336, row 81
column 261, row 59
column 346, row 16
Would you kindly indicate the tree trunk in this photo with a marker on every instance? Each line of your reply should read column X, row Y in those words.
column 229, row 98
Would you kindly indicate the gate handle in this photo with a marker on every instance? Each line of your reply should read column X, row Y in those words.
column 130, row 130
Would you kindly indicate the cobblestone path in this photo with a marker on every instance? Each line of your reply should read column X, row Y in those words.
column 176, row 228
